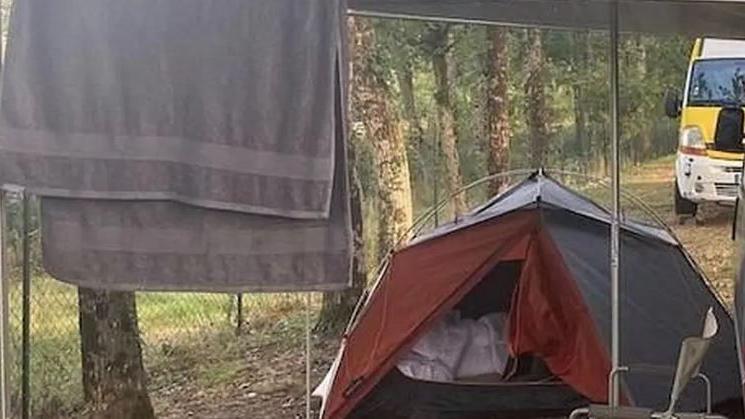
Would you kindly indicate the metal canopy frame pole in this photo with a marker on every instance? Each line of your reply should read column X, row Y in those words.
column 4, row 289
column 239, row 313
column 26, row 310
column 615, row 271
column 308, row 360
column 4, row 312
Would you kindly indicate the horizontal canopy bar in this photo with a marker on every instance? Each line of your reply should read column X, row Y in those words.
column 685, row 17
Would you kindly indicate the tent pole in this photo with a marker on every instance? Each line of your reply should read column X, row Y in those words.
column 4, row 312
column 616, row 186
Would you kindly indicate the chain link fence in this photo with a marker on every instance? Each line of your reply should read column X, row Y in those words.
column 183, row 335
column 170, row 324
column 176, row 331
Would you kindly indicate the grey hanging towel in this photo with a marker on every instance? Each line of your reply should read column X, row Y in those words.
column 168, row 246
column 222, row 104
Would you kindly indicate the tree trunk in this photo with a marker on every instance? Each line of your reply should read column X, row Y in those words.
column 647, row 124
column 375, row 109
column 411, row 113
column 439, row 40
column 113, row 373
column 497, row 108
column 581, row 116
column 606, row 152
column 535, row 92
column 338, row 306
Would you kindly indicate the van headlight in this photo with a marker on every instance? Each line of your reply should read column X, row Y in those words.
column 691, row 141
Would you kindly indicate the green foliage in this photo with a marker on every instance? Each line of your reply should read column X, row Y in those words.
column 577, row 94
column 574, row 61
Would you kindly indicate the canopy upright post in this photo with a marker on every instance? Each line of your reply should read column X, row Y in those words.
column 308, row 361
column 435, row 176
column 4, row 292
column 616, row 213
column 4, row 314
column 26, row 310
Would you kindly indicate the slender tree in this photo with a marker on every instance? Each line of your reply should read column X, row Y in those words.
column 405, row 76
column 580, row 64
column 498, row 127
column 642, row 144
column 398, row 43
column 438, row 42
column 338, row 306
column 535, row 93
column 537, row 112
column 375, row 109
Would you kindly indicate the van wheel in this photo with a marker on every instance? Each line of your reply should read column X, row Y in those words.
column 682, row 206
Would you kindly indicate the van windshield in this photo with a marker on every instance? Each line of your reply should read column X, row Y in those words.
column 717, row 82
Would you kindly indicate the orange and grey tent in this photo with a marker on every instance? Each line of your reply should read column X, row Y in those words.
column 558, row 300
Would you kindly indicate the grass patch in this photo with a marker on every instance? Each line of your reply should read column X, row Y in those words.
column 186, row 339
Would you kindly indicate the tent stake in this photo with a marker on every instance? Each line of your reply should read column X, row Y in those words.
column 4, row 312
column 616, row 186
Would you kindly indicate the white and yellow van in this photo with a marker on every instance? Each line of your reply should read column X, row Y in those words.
column 708, row 166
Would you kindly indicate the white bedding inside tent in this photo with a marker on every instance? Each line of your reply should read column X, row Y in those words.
column 459, row 349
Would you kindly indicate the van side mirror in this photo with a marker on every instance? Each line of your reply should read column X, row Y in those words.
column 673, row 104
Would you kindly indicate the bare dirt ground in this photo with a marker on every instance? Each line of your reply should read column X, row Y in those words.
column 708, row 241
column 272, row 386
column 269, row 381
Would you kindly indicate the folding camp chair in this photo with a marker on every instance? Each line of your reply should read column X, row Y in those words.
column 625, row 412
column 692, row 352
